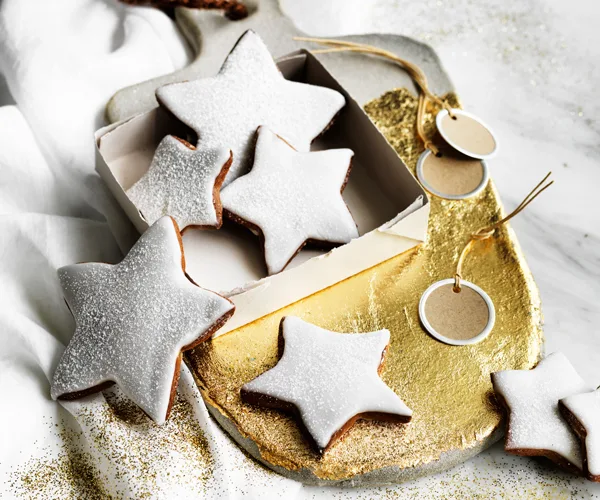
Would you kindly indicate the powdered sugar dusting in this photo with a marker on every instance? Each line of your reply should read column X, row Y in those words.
column 292, row 197
column 586, row 408
column 330, row 377
column 180, row 182
column 133, row 319
column 249, row 91
column 532, row 396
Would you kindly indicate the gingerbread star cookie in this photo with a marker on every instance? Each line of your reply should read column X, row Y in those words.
column 582, row 412
column 291, row 198
column 329, row 379
column 133, row 320
column 183, row 182
column 249, row 91
column 535, row 426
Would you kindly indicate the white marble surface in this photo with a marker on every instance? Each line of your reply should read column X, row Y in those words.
column 529, row 68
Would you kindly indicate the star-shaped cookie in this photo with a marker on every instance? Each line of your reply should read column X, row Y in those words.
column 330, row 379
column 183, row 182
column 249, row 91
column 582, row 412
column 535, row 426
column 133, row 320
column 292, row 198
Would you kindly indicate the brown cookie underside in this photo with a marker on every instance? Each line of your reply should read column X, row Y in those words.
column 581, row 432
column 532, row 452
column 265, row 401
column 233, row 9
column 205, row 336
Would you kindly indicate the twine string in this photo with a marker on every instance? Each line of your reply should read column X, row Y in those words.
column 427, row 144
column 412, row 69
column 488, row 231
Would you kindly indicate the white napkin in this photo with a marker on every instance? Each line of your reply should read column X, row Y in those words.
column 62, row 61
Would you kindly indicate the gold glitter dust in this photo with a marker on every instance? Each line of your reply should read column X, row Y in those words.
column 447, row 387
column 133, row 446
column 520, row 480
column 70, row 474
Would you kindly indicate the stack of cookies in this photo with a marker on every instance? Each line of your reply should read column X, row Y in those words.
column 248, row 157
column 552, row 413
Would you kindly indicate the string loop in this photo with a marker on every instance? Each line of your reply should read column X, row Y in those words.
column 488, row 231
column 412, row 69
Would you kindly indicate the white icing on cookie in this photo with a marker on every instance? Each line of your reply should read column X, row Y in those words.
column 532, row 396
column 133, row 319
column 292, row 197
column 586, row 408
column 249, row 91
column 329, row 377
column 181, row 183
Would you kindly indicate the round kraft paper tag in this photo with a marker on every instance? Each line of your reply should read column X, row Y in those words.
column 451, row 178
column 457, row 317
column 467, row 134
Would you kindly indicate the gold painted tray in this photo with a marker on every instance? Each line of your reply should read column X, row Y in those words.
column 448, row 387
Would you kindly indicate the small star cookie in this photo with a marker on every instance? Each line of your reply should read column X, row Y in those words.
column 330, row 379
column 291, row 198
column 582, row 412
column 249, row 91
column 183, row 182
column 133, row 320
column 535, row 426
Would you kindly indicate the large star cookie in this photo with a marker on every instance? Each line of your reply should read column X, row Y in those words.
column 133, row 320
column 292, row 198
column 535, row 426
column 582, row 412
column 183, row 182
column 330, row 379
column 249, row 91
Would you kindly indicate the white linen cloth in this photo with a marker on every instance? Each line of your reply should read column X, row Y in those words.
column 62, row 60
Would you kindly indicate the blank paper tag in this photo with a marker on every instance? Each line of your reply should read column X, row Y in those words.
column 457, row 318
column 450, row 177
column 467, row 134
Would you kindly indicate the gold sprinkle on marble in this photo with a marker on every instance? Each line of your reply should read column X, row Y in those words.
column 118, row 450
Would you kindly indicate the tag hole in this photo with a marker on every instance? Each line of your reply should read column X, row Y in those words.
column 438, row 154
column 454, row 117
column 456, row 289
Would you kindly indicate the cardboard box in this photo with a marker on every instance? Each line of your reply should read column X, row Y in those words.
column 388, row 204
